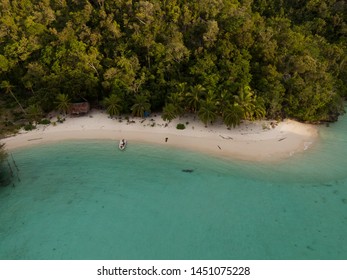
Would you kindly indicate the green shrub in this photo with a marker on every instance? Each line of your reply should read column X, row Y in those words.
column 180, row 126
column 8, row 123
column 60, row 119
column 29, row 126
column 18, row 116
column 44, row 121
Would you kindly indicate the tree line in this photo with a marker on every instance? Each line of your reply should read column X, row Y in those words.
column 228, row 59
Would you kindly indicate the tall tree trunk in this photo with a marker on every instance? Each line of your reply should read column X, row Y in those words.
column 15, row 98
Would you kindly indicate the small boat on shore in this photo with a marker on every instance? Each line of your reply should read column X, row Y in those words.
column 122, row 144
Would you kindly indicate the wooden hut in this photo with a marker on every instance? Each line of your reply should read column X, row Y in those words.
column 79, row 108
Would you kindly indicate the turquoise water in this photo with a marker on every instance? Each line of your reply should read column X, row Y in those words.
column 88, row 200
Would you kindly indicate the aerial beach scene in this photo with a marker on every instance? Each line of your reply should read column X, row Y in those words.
column 173, row 130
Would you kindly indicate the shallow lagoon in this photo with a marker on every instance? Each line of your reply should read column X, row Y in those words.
column 88, row 200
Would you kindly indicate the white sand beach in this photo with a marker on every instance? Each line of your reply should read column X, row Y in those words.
column 255, row 141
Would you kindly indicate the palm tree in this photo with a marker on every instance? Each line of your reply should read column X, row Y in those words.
column 223, row 101
column 181, row 88
column 194, row 96
column 34, row 112
column 207, row 112
column 170, row 112
column 8, row 90
column 212, row 98
column 63, row 103
column 259, row 108
column 141, row 105
column 113, row 105
column 232, row 115
column 245, row 100
column 176, row 99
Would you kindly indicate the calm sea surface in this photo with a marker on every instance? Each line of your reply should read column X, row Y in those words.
column 88, row 200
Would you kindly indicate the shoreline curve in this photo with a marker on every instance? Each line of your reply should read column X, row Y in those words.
column 251, row 141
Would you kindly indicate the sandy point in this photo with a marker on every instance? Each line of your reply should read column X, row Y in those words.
column 254, row 141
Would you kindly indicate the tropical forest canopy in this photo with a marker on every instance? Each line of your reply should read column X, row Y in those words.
column 224, row 59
